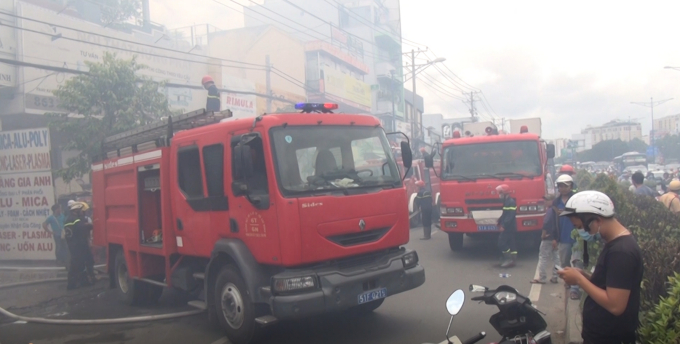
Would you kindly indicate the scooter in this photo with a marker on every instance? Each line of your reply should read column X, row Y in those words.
column 518, row 320
column 453, row 306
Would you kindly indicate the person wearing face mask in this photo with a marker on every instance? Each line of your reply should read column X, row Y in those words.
column 610, row 312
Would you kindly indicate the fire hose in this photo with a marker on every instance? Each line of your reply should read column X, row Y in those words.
column 37, row 320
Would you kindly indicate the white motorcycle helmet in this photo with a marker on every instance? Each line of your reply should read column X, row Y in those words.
column 589, row 202
column 563, row 179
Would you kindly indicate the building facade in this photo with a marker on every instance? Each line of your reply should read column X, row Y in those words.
column 669, row 125
column 353, row 51
column 614, row 130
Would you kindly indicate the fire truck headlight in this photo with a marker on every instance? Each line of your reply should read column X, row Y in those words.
column 410, row 260
column 283, row 285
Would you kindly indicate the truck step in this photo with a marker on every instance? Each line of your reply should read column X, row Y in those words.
column 198, row 304
column 266, row 320
column 199, row 275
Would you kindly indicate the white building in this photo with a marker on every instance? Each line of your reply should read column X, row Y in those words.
column 614, row 130
column 668, row 125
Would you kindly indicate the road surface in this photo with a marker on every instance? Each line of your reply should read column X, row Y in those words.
column 416, row 316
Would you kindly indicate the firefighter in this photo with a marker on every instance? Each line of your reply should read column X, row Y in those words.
column 507, row 224
column 424, row 203
column 213, row 103
column 76, row 233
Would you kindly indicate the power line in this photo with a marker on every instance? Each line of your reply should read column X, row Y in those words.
column 168, row 84
column 307, row 29
column 122, row 40
column 130, row 50
column 362, row 19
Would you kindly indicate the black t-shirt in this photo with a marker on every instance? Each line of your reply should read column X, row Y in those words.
column 618, row 266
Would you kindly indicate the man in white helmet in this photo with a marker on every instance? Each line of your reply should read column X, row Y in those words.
column 610, row 312
column 560, row 228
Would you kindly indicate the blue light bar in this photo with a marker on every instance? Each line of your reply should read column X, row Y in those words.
column 323, row 107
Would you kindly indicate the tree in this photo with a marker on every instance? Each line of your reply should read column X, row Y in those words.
column 117, row 11
column 608, row 150
column 669, row 146
column 108, row 100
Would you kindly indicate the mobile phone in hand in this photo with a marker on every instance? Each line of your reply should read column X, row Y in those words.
column 558, row 268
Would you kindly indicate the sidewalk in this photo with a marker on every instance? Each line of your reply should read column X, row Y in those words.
column 572, row 311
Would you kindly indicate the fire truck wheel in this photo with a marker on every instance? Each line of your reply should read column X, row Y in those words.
column 456, row 241
column 234, row 309
column 366, row 307
column 131, row 292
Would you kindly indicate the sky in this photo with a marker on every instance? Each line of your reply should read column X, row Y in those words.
column 573, row 65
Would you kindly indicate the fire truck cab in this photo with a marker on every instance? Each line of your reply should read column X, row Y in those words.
column 472, row 168
column 267, row 218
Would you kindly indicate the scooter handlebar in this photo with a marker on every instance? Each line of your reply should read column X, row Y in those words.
column 476, row 338
column 478, row 298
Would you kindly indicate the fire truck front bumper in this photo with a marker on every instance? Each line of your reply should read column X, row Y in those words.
column 346, row 284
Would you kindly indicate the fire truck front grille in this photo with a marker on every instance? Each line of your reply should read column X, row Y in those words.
column 359, row 238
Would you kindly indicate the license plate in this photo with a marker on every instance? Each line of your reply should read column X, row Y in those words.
column 487, row 228
column 372, row 295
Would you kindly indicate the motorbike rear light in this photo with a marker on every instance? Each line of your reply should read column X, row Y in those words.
column 410, row 260
column 451, row 224
column 294, row 284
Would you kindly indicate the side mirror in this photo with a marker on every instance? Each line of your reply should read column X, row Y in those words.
column 551, row 151
column 406, row 154
column 455, row 302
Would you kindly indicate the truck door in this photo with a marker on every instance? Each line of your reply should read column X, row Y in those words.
column 201, row 208
column 253, row 206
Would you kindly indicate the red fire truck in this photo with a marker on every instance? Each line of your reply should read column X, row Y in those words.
column 471, row 169
column 275, row 217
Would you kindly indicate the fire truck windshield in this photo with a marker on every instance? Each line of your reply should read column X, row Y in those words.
column 310, row 159
column 491, row 160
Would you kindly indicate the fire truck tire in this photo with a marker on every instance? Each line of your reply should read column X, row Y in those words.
column 456, row 241
column 234, row 309
column 130, row 292
column 366, row 307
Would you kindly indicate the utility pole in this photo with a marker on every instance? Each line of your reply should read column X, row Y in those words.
column 413, row 99
column 473, row 111
column 651, row 133
column 394, row 114
column 268, row 81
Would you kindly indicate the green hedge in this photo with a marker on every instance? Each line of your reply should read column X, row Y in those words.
column 657, row 231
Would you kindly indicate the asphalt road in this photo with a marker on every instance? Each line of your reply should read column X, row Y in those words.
column 417, row 316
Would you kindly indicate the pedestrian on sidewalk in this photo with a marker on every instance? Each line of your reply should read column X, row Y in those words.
column 507, row 225
column 424, row 203
column 54, row 224
column 561, row 227
column 610, row 312
column 547, row 254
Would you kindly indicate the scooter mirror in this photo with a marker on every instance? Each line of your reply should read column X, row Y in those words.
column 455, row 302
column 477, row 288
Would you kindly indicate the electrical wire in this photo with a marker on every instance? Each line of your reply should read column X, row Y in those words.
column 360, row 18
column 123, row 40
